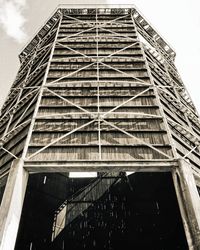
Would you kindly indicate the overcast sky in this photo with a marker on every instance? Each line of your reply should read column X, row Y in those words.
column 178, row 21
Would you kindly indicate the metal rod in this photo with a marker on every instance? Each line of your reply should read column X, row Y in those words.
column 98, row 94
column 60, row 138
column 75, row 35
column 186, row 155
column 139, row 140
column 72, row 73
column 122, row 72
column 123, row 103
column 73, row 104
column 9, row 152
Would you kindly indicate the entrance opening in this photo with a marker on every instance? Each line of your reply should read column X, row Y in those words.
column 111, row 211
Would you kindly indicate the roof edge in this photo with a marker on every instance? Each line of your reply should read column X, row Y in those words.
column 82, row 6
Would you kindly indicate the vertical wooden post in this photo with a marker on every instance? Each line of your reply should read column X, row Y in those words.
column 189, row 202
column 12, row 203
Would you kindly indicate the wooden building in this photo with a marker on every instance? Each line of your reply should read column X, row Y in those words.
column 98, row 96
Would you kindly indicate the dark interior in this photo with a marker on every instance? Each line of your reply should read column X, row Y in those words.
column 2, row 186
column 138, row 211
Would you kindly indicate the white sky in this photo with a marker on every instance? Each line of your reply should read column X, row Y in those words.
column 178, row 21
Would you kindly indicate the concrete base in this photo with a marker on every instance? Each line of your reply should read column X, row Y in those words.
column 11, row 206
column 189, row 202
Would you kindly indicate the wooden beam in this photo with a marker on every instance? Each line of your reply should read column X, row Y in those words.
column 12, row 203
column 100, row 166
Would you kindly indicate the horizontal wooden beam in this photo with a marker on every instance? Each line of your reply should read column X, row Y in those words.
column 100, row 166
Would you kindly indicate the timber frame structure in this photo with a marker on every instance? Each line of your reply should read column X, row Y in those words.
column 97, row 90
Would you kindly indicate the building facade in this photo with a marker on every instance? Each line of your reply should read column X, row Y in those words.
column 98, row 95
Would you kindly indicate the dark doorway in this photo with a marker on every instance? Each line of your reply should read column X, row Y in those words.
column 138, row 211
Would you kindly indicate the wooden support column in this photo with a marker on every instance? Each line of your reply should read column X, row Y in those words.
column 12, row 203
column 189, row 202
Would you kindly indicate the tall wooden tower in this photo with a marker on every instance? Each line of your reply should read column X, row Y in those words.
column 97, row 92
